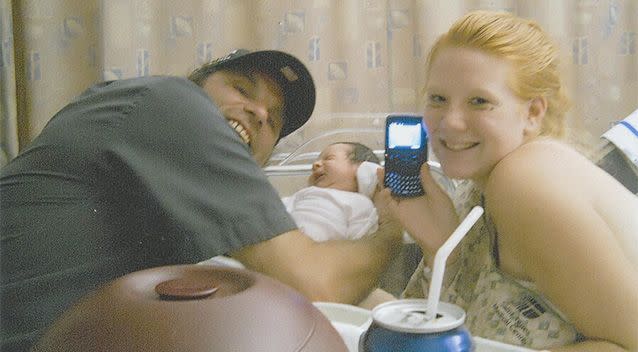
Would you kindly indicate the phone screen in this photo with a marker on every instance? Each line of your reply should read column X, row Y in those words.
column 406, row 150
column 404, row 135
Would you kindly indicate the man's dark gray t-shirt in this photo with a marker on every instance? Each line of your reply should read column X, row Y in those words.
column 132, row 174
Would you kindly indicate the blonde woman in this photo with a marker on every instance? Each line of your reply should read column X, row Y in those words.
column 553, row 262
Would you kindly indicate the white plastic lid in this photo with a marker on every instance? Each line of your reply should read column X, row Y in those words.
column 408, row 315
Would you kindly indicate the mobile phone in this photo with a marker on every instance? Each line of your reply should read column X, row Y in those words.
column 406, row 149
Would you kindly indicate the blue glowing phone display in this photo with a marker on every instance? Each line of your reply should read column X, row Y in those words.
column 405, row 151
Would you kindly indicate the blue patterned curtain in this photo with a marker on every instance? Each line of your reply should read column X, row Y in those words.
column 366, row 56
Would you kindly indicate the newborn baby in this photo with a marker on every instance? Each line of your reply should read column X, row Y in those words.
column 337, row 202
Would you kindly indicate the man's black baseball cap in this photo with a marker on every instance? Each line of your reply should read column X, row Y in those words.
column 291, row 74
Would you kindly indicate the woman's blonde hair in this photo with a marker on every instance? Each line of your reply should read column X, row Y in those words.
column 533, row 55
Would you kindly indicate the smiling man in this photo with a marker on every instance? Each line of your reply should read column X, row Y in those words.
column 158, row 171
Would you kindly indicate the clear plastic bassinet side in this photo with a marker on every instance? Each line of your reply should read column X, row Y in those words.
column 289, row 171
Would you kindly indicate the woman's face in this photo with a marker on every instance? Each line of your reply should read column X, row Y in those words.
column 473, row 117
column 334, row 169
column 253, row 104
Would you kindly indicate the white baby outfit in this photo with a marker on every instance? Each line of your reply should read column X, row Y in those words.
column 329, row 214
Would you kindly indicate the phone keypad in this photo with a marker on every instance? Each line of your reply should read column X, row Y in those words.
column 404, row 185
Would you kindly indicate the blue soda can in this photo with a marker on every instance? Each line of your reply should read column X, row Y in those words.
column 401, row 326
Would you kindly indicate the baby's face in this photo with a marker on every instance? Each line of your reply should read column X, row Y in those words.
column 333, row 169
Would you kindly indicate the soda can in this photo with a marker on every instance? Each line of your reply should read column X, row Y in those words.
column 401, row 326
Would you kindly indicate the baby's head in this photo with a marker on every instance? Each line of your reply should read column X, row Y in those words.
column 337, row 166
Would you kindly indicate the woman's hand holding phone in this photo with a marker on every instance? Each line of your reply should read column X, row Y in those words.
column 430, row 218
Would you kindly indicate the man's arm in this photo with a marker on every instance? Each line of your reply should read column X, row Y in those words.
column 342, row 271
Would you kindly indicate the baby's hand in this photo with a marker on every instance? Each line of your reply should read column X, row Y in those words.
column 382, row 197
column 383, row 202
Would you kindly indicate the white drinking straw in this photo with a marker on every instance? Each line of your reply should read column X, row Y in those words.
column 441, row 257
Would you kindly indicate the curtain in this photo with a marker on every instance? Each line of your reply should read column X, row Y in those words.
column 366, row 56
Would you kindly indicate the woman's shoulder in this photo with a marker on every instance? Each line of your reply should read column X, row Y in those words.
column 540, row 163
column 542, row 152
column 540, row 172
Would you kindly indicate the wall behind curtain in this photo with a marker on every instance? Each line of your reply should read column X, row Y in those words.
column 366, row 56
